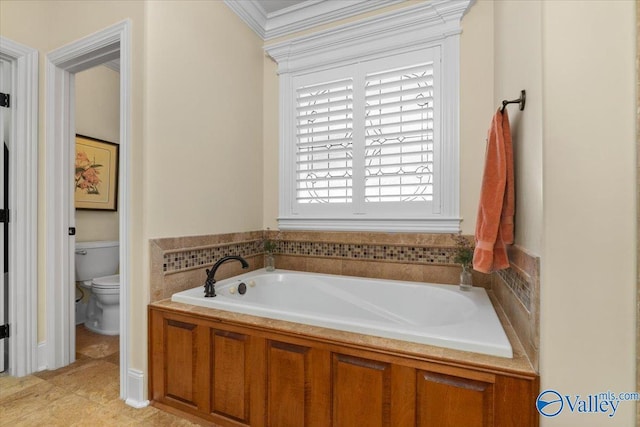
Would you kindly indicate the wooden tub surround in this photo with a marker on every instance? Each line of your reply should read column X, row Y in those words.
column 230, row 369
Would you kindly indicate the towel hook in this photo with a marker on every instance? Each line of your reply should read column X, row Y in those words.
column 522, row 100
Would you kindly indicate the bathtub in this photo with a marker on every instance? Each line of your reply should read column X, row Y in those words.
column 434, row 314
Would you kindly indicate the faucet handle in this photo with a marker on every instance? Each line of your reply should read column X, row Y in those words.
column 209, row 288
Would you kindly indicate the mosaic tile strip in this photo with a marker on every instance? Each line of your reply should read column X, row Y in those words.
column 189, row 259
column 417, row 254
column 520, row 287
column 196, row 258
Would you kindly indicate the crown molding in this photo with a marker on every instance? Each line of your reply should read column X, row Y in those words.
column 251, row 13
column 401, row 29
column 301, row 16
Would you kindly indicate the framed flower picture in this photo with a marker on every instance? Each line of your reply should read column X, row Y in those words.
column 96, row 174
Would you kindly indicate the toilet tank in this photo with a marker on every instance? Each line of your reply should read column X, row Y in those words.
column 96, row 259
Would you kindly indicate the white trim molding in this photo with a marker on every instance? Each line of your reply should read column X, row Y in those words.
column 409, row 31
column 97, row 49
column 42, row 356
column 300, row 16
column 412, row 225
column 23, row 202
column 135, row 394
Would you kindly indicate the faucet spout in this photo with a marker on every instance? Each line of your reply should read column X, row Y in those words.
column 209, row 288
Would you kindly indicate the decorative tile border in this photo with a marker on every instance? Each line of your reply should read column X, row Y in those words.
column 517, row 290
column 189, row 259
column 369, row 252
column 518, row 284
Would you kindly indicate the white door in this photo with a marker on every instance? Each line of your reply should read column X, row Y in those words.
column 5, row 70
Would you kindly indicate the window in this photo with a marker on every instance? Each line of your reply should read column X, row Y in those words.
column 369, row 118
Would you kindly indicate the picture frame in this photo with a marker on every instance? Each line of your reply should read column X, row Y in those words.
column 96, row 174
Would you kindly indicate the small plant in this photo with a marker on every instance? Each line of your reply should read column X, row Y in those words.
column 464, row 251
column 269, row 246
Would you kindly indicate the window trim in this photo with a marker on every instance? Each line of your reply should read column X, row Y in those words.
column 427, row 25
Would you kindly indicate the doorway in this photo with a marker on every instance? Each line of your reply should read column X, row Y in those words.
column 61, row 66
column 97, row 121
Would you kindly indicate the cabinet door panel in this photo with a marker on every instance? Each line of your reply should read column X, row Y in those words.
column 181, row 356
column 361, row 392
column 449, row 401
column 287, row 377
column 298, row 386
column 230, row 379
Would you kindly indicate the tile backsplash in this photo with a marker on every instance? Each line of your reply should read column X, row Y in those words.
column 178, row 260
column 517, row 289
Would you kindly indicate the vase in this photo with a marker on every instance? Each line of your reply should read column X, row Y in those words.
column 269, row 261
column 466, row 279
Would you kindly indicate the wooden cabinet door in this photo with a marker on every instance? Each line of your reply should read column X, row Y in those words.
column 298, row 390
column 230, row 386
column 361, row 392
column 452, row 401
column 181, row 357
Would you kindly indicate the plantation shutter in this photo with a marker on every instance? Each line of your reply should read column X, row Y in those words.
column 399, row 134
column 324, row 142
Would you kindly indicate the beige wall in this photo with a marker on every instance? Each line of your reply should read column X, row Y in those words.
column 477, row 105
column 97, row 116
column 203, row 131
column 518, row 65
column 204, row 121
column 589, row 214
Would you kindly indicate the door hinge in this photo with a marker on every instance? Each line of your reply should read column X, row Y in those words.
column 5, row 100
column 4, row 331
column 72, row 231
column 4, row 215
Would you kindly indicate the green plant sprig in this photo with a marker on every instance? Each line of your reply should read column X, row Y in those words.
column 464, row 251
column 269, row 245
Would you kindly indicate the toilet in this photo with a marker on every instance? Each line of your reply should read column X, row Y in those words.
column 96, row 265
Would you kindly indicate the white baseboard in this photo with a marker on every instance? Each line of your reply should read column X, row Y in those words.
column 42, row 356
column 135, row 392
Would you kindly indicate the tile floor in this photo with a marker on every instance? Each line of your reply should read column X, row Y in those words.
column 85, row 393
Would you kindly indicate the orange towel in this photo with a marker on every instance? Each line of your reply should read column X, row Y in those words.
column 494, row 226
column 509, row 204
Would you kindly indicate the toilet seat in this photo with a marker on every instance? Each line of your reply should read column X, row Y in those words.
column 106, row 282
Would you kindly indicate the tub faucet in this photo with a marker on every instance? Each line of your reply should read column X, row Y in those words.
column 209, row 289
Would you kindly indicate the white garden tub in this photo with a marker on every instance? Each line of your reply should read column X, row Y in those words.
column 440, row 315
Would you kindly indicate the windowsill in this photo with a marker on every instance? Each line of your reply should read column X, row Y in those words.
column 416, row 225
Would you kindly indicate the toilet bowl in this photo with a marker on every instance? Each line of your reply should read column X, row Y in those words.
column 96, row 263
column 103, row 309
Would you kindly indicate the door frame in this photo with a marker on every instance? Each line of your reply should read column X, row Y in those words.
column 60, row 67
column 23, row 201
